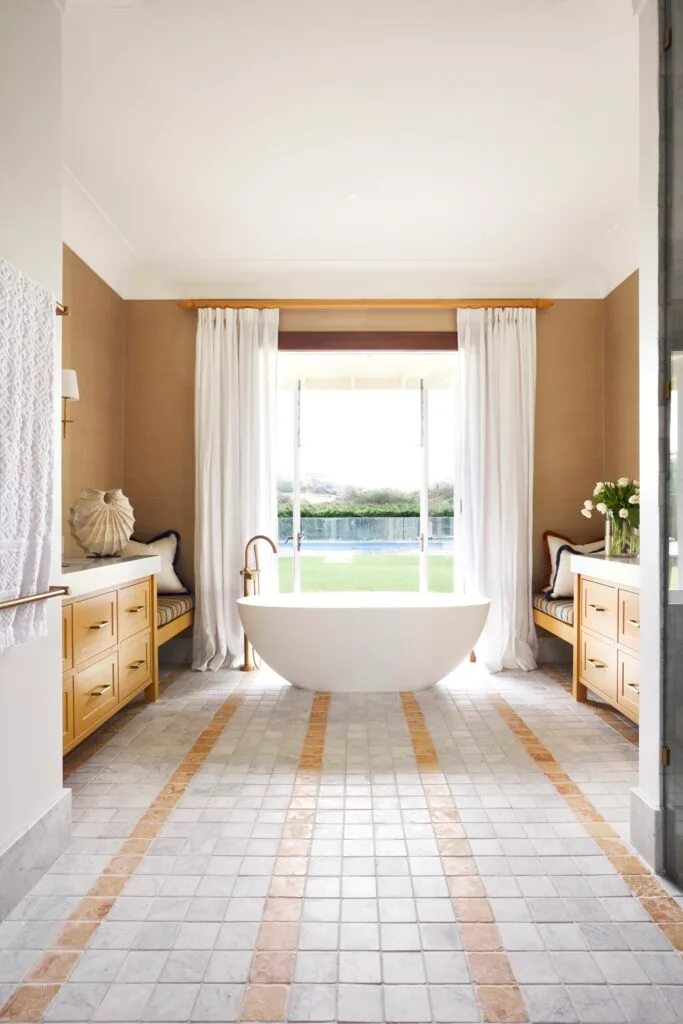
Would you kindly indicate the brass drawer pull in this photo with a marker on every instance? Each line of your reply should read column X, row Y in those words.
column 136, row 608
column 100, row 625
column 634, row 686
column 99, row 690
column 137, row 664
column 595, row 663
column 597, row 607
column 633, row 622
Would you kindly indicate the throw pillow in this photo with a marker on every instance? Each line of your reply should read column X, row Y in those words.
column 562, row 581
column 166, row 547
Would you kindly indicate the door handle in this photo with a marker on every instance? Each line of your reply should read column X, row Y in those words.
column 595, row 663
column 137, row 664
column 100, row 625
column 633, row 622
column 634, row 686
column 99, row 690
column 597, row 607
column 135, row 608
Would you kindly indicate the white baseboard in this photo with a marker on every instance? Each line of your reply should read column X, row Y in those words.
column 647, row 831
column 25, row 862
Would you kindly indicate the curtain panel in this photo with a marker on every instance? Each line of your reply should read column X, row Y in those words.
column 497, row 382
column 235, row 473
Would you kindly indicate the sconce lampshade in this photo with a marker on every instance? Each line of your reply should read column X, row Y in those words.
column 70, row 385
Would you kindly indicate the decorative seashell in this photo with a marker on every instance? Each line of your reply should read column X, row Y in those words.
column 101, row 521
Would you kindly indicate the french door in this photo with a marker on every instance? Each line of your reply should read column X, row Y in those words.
column 374, row 445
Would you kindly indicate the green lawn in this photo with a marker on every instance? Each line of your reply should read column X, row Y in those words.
column 368, row 572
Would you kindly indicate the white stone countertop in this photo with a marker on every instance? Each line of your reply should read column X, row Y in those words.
column 624, row 571
column 86, row 575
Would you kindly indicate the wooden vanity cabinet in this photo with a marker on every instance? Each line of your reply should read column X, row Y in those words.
column 609, row 642
column 107, row 655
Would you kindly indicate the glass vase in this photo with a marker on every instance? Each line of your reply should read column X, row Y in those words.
column 622, row 539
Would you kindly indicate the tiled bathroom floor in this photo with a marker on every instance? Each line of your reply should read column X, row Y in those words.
column 243, row 851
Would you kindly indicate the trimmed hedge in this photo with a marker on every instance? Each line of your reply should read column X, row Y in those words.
column 340, row 510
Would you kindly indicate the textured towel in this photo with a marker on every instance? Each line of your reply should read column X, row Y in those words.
column 27, row 316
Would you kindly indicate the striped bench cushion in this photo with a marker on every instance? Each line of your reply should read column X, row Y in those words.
column 172, row 606
column 562, row 609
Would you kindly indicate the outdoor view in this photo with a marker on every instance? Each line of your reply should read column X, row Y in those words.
column 362, row 467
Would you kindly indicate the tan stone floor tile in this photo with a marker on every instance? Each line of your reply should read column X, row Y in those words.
column 480, row 938
column 502, row 1004
column 265, row 1003
column 272, row 968
column 490, row 969
column 54, row 967
column 277, row 935
column 29, row 1002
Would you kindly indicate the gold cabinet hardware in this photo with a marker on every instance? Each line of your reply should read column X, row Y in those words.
column 99, row 690
column 137, row 664
column 633, row 622
column 597, row 607
column 100, row 625
column 595, row 663
column 135, row 608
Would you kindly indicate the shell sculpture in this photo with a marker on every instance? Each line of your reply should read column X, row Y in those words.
column 101, row 521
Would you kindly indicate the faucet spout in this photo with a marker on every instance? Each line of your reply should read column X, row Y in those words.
column 252, row 543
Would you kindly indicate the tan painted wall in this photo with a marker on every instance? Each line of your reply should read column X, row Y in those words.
column 569, row 449
column 621, row 380
column 159, row 474
column 93, row 344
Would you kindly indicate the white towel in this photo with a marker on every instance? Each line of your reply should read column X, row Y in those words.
column 27, row 318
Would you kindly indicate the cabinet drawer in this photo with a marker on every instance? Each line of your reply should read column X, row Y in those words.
column 67, row 710
column 629, row 620
column 599, row 608
column 67, row 638
column 94, row 626
column 96, row 692
column 135, row 609
column 135, row 664
column 629, row 684
column 598, row 666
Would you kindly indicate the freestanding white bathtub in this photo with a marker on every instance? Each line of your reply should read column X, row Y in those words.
column 372, row 642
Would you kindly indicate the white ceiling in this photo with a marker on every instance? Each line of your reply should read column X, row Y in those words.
column 358, row 148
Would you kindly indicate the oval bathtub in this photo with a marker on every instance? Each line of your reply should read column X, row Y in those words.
column 372, row 642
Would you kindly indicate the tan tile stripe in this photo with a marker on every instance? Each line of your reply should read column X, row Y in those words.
column 497, row 991
column 32, row 998
column 272, row 966
column 652, row 896
column 615, row 720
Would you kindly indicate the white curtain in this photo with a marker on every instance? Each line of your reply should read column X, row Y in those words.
column 497, row 383
column 235, row 475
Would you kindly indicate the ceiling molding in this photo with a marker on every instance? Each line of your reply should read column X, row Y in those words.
column 91, row 234
column 351, row 281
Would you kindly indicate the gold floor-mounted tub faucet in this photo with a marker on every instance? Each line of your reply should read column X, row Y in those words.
column 252, row 588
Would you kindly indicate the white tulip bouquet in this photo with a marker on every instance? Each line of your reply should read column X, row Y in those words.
column 620, row 504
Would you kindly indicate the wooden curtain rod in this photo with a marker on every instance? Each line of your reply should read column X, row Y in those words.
column 363, row 303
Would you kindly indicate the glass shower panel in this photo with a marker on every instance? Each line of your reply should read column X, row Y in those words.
column 671, row 255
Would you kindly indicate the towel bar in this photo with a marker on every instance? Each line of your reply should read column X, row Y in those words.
column 52, row 592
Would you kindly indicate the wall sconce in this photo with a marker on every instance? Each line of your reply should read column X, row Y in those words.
column 69, row 394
